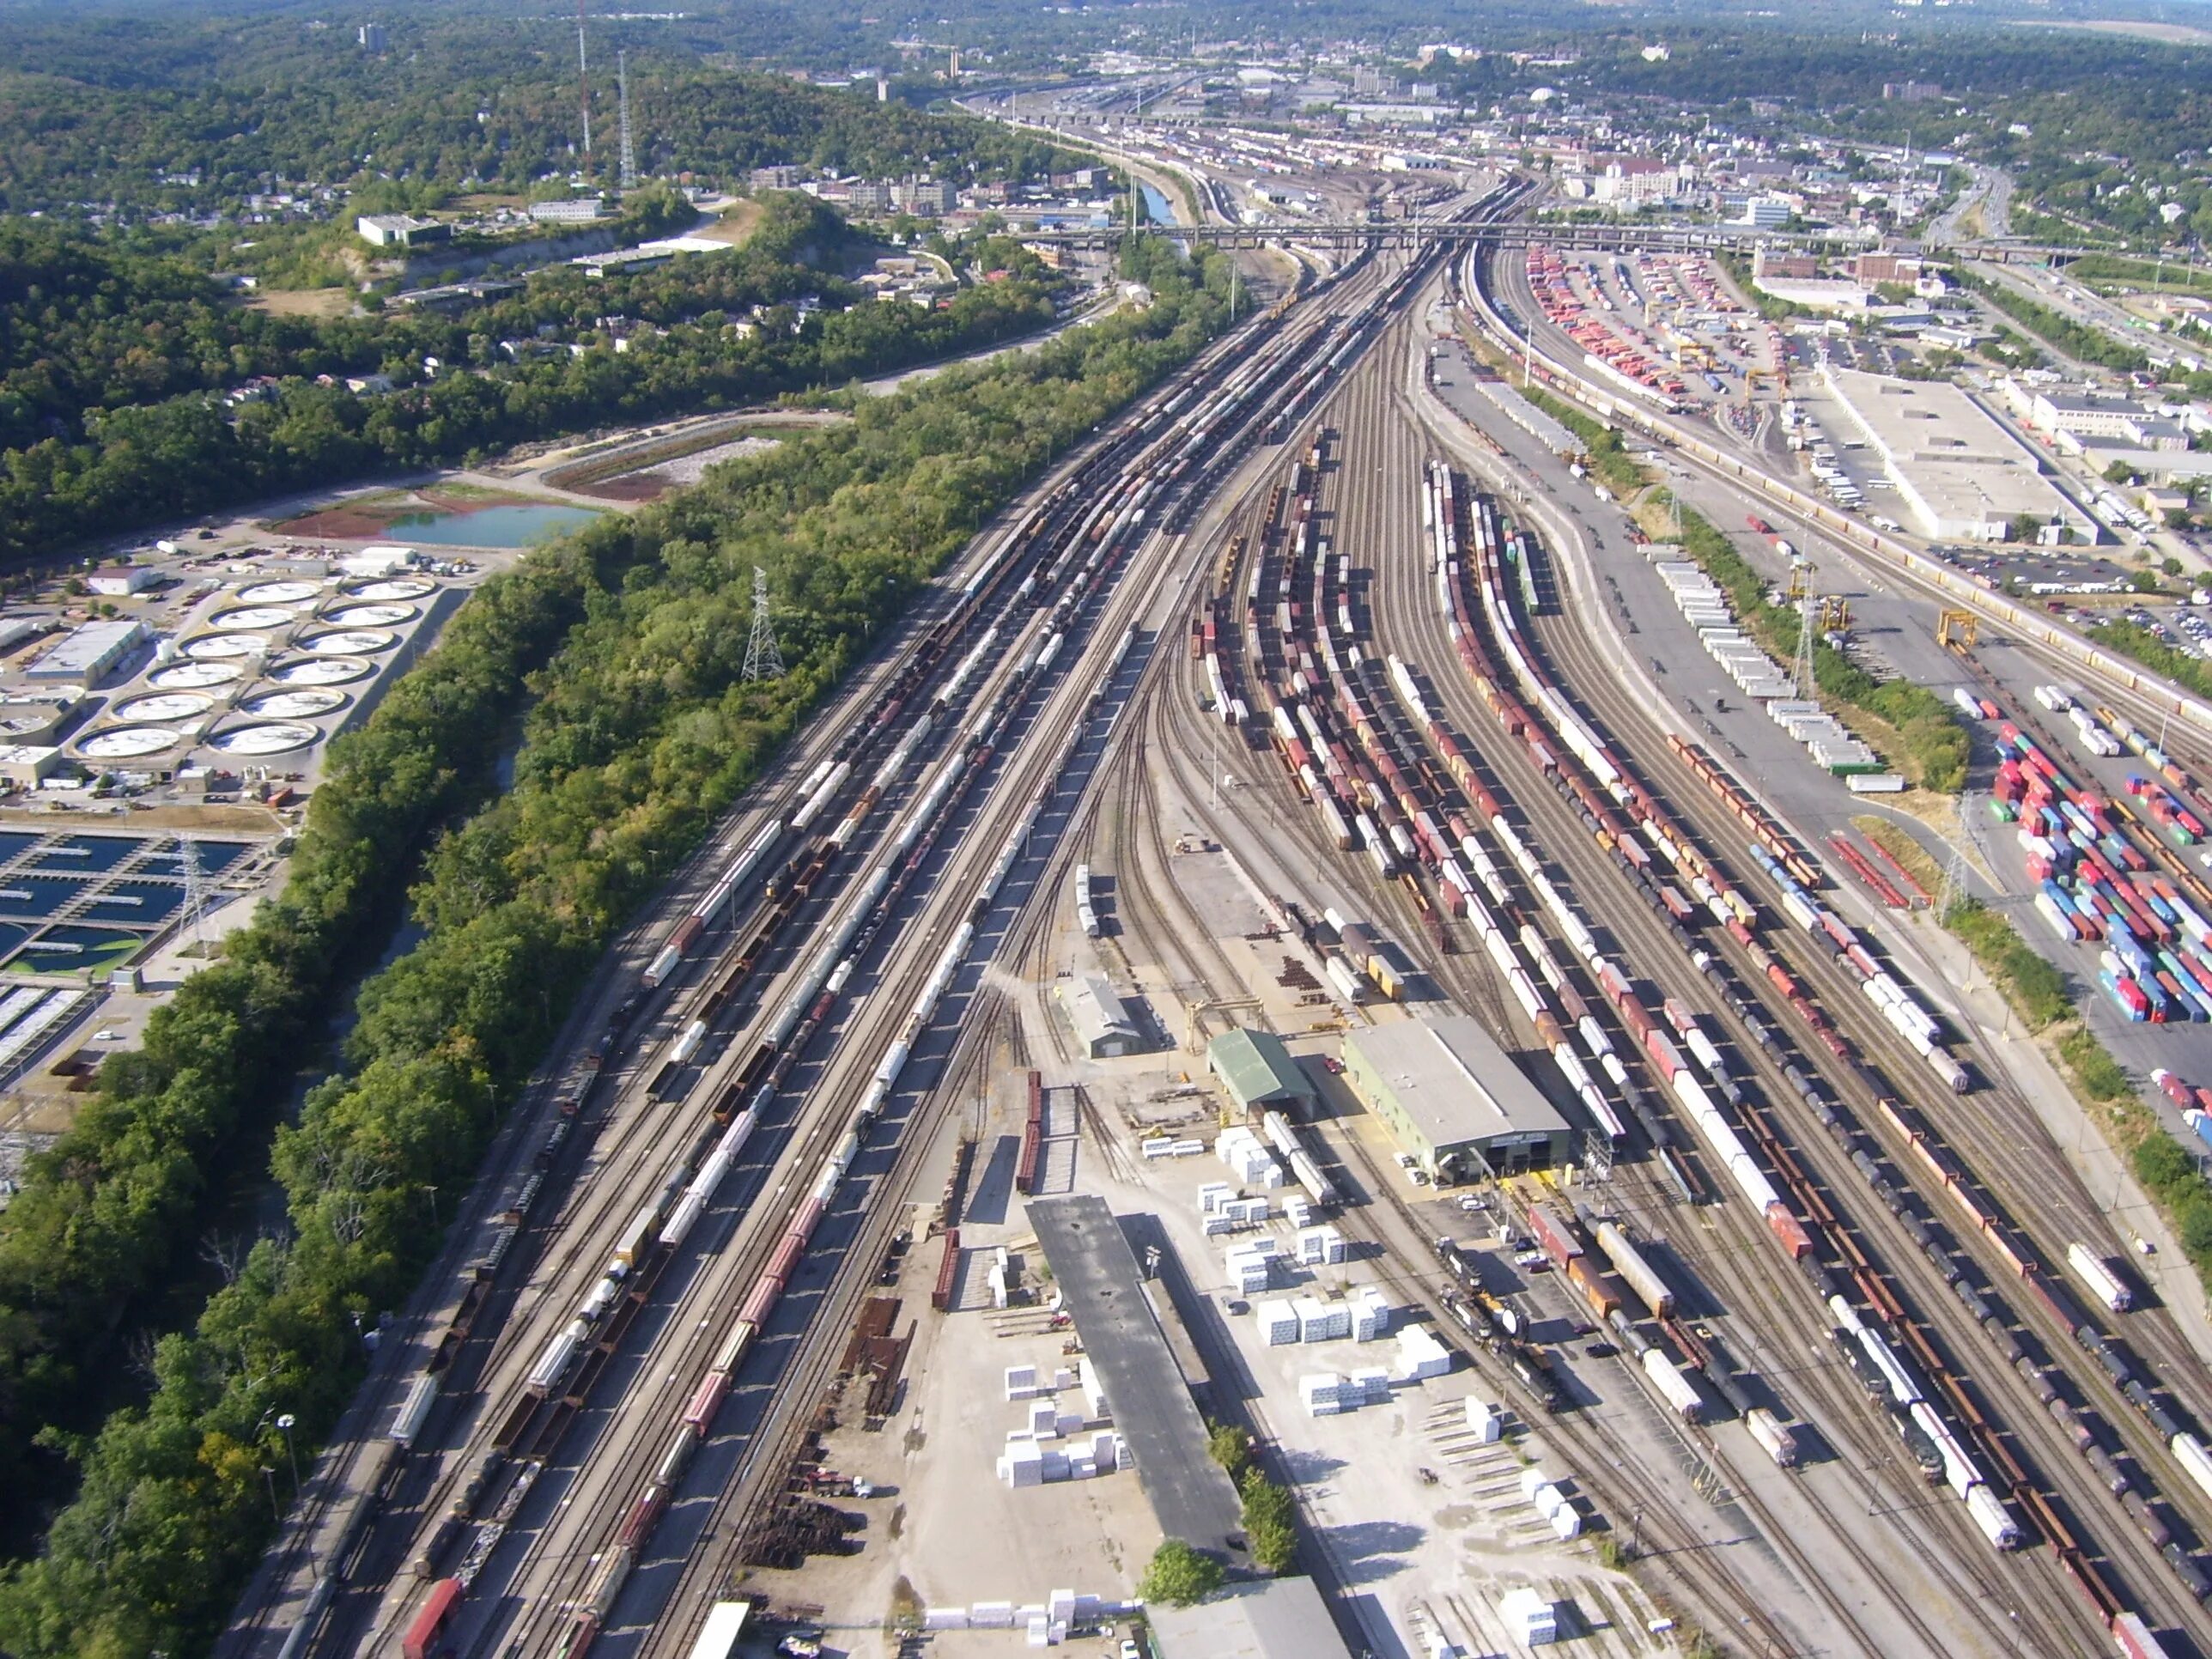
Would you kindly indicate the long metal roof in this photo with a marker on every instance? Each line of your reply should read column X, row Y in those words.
column 1257, row 1067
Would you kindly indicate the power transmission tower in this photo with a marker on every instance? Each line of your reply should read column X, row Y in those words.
column 1800, row 594
column 621, row 87
column 195, row 892
column 583, row 79
column 1954, row 865
column 763, row 660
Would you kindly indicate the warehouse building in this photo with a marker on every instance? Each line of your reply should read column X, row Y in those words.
column 86, row 654
column 1453, row 1099
column 1273, row 1618
column 1961, row 475
column 1101, row 1020
column 1258, row 1070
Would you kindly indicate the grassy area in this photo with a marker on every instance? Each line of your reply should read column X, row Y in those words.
column 2140, row 645
column 2038, row 993
column 1916, row 728
column 1909, row 855
column 2108, row 273
column 1608, row 460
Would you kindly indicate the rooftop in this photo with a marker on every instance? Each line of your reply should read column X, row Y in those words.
column 1952, row 461
column 1096, row 1011
column 1257, row 1067
column 1274, row 1619
column 1190, row 1494
column 1449, row 1075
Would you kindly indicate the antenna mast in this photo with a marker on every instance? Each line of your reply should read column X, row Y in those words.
column 621, row 86
column 583, row 79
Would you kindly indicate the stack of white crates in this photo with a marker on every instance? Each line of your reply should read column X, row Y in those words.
column 1278, row 1323
column 1320, row 1247
column 1487, row 1421
column 1094, row 1391
column 1370, row 1315
column 1323, row 1393
column 1370, row 1385
column 1248, row 1266
column 1419, row 1353
column 1249, row 1159
column 1321, row 1321
column 1220, row 1211
column 1298, row 1211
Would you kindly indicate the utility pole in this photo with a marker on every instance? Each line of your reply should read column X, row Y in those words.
column 583, row 81
column 621, row 94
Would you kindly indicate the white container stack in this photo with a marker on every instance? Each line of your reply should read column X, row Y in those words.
column 1323, row 1393
column 1319, row 1247
column 1278, row 1323
column 1248, row 1267
column 1420, row 1355
column 1249, row 1158
column 1370, row 1315
column 1321, row 1321
column 1485, row 1421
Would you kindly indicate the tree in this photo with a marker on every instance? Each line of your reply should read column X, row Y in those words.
column 1270, row 1521
column 1179, row 1575
column 2119, row 472
column 2025, row 527
column 1231, row 1447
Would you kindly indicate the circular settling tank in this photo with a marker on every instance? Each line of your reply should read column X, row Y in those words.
column 303, row 704
column 371, row 616
column 165, row 706
column 128, row 742
column 285, row 593
column 393, row 588
column 273, row 739
column 247, row 617
column 321, row 671
column 192, row 675
column 351, row 641
column 223, row 647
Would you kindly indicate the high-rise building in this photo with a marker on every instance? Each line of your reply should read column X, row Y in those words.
column 371, row 36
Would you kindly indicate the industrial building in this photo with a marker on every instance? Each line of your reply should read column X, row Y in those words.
column 401, row 230
column 1453, row 1099
column 1273, row 1618
column 1192, row 1497
column 1101, row 1020
column 1258, row 1069
column 1961, row 475
column 25, row 766
column 86, row 654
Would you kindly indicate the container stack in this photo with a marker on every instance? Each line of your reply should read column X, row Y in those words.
column 1249, row 1158
column 1320, row 1247
column 1249, row 1266
column 1278, row 1323
column 1420, row 1355
column 1484, row 1421
column 1321, row 1321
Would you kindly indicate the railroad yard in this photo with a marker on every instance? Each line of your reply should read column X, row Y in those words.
column 1315, row 930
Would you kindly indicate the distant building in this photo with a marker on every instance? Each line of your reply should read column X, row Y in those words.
column 1765, row 212
column 120, row 584
column 25, row 766
column 1768, row 262
column 777, row 178
column 1911, row 92
column 1101, row 1021
column 576, row 211
column 401, row 230
column 89, row 653
column 371, row 37
column 927, row 197
column 1453, row 1099
column 1884, row 266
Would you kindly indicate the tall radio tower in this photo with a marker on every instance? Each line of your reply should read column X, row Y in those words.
column 621, row 94
column 583, row 79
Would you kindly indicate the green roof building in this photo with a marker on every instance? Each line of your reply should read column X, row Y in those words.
column 1257, row 1070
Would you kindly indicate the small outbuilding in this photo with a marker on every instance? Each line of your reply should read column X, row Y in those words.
column 1101, row 1020
column 1258, row 1069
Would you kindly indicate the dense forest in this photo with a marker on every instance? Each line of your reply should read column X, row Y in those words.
column 92, row 338
column 640, row 730
column 455, row 105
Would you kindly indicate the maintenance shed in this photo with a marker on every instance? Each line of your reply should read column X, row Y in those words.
column 1257, row 1069
column 1191, row 1495
column 1453, row 1098
column 1102, row 1021
column 1273, row 1618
